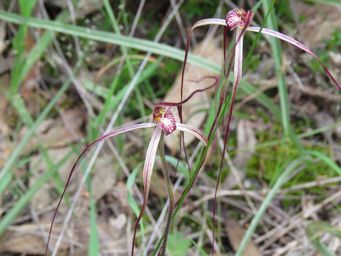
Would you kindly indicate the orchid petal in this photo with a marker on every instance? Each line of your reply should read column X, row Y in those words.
column 147, row 174
column 150, row 160
column 175, row 104
column 297, row 44
column 211, row 21
column 123, row 129
column 238, row 61
column 192, row 130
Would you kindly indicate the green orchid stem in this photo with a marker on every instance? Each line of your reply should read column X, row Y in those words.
column 170, row 195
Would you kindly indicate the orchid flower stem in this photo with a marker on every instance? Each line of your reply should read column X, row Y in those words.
column 197, row 168
column 238, row 64
column 170, row 196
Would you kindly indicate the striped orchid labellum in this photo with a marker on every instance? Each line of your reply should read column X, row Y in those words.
column 237, row 18
column 164, row 119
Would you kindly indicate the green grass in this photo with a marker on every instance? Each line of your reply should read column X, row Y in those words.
column 272, row 23
column 316, row 229
column 331, row 2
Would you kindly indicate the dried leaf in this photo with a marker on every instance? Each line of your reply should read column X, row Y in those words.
column 326, row 19
column 246, row 143
column 28, row 239
column 104, row 178
column 323, row 119
column 5, row 143
column 335, row 58
column 38, row 167
column 120, row 197
column 6, row 63
column 3, row 43
column 235, row 234
column 194, row 111
column 82, row 8
column 59, row 132
column 113, row 235
column 158, row 187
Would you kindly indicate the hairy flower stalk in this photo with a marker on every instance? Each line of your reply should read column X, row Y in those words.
column 164, row 124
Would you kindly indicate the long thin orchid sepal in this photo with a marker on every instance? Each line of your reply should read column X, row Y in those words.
column 147, row 174
column 299, row 45
column 238, row 65
column 166, row 125
column 123, row 129
column 180, row 103
column 236, row 19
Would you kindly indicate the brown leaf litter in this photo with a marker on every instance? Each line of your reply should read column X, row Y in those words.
column 57, row 132
column 235, row 234
column 82, row 8
column 323, row 21
column 194, row 111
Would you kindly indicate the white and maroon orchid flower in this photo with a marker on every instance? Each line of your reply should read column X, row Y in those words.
column 237, row 18
column 164, row 123
column 240, row 19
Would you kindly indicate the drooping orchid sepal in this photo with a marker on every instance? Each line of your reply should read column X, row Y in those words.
column 238, row 18
column 164, row 119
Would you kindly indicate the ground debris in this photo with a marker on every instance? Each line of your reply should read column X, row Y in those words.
column 193, row 112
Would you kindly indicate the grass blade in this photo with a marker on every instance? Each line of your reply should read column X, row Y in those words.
column 25, row 199
column 280, row 181
column 16, row 153
column 135, row 43
column 107, row 37
column 277, row 54
column 93, row 249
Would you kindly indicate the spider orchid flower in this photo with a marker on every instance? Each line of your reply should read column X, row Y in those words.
column 164, row 124
column 240, row 20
